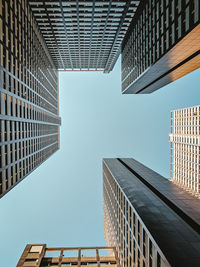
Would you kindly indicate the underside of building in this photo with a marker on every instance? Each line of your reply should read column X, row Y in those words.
column 161, row 45
column 84, row 35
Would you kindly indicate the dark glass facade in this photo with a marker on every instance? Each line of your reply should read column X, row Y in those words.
column 151, row 221
column 161, row 44
column 84, row 35
column 29, row 108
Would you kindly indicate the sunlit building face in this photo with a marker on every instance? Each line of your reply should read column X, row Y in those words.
column 42, row 256
column 185, row 148
column 161, row 45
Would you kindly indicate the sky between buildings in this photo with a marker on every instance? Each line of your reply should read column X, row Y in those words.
column 60, row 203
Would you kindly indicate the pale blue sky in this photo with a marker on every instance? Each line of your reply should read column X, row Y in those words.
column 60, row 203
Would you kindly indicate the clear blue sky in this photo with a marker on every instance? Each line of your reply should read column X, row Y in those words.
column 60, row 203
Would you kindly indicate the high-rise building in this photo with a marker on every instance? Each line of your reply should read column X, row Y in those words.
column 38, row 38
column 150, row 221
column 161, row 44
column 83, row 35
column 185, row 148
column 38, row 255
column 29, row 104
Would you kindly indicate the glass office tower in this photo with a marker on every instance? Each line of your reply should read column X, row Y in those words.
column 38, row 255
column 84, row 35
column 161, row 45
column 185, row 148
column 151, row 221
column 29, row 104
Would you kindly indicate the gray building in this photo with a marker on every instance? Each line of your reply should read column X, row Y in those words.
column 161, row 45
column 84, row 35
column 29, row 101
column 151, row 221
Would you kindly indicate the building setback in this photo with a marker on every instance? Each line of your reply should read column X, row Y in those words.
column 29, row 104
column 84, row 35
column 151, row 221
column 38, row 255
column 161, row 45
column 185, row 148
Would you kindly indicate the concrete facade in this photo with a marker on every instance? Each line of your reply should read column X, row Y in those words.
column 185, row 148
column 39, row 255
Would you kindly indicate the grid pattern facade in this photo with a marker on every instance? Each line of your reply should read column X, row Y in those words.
column 29, row 116
column 125, row 230
column 157, row 27
column 39, row 255
column 84, row 35
column 185, row 148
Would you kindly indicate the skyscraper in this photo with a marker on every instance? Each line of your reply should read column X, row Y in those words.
column 185, row 148
column 38, row 38
column 161, row 45
column 151, row 221
column 29, row 102
column 84, row 35
column 38, row 255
